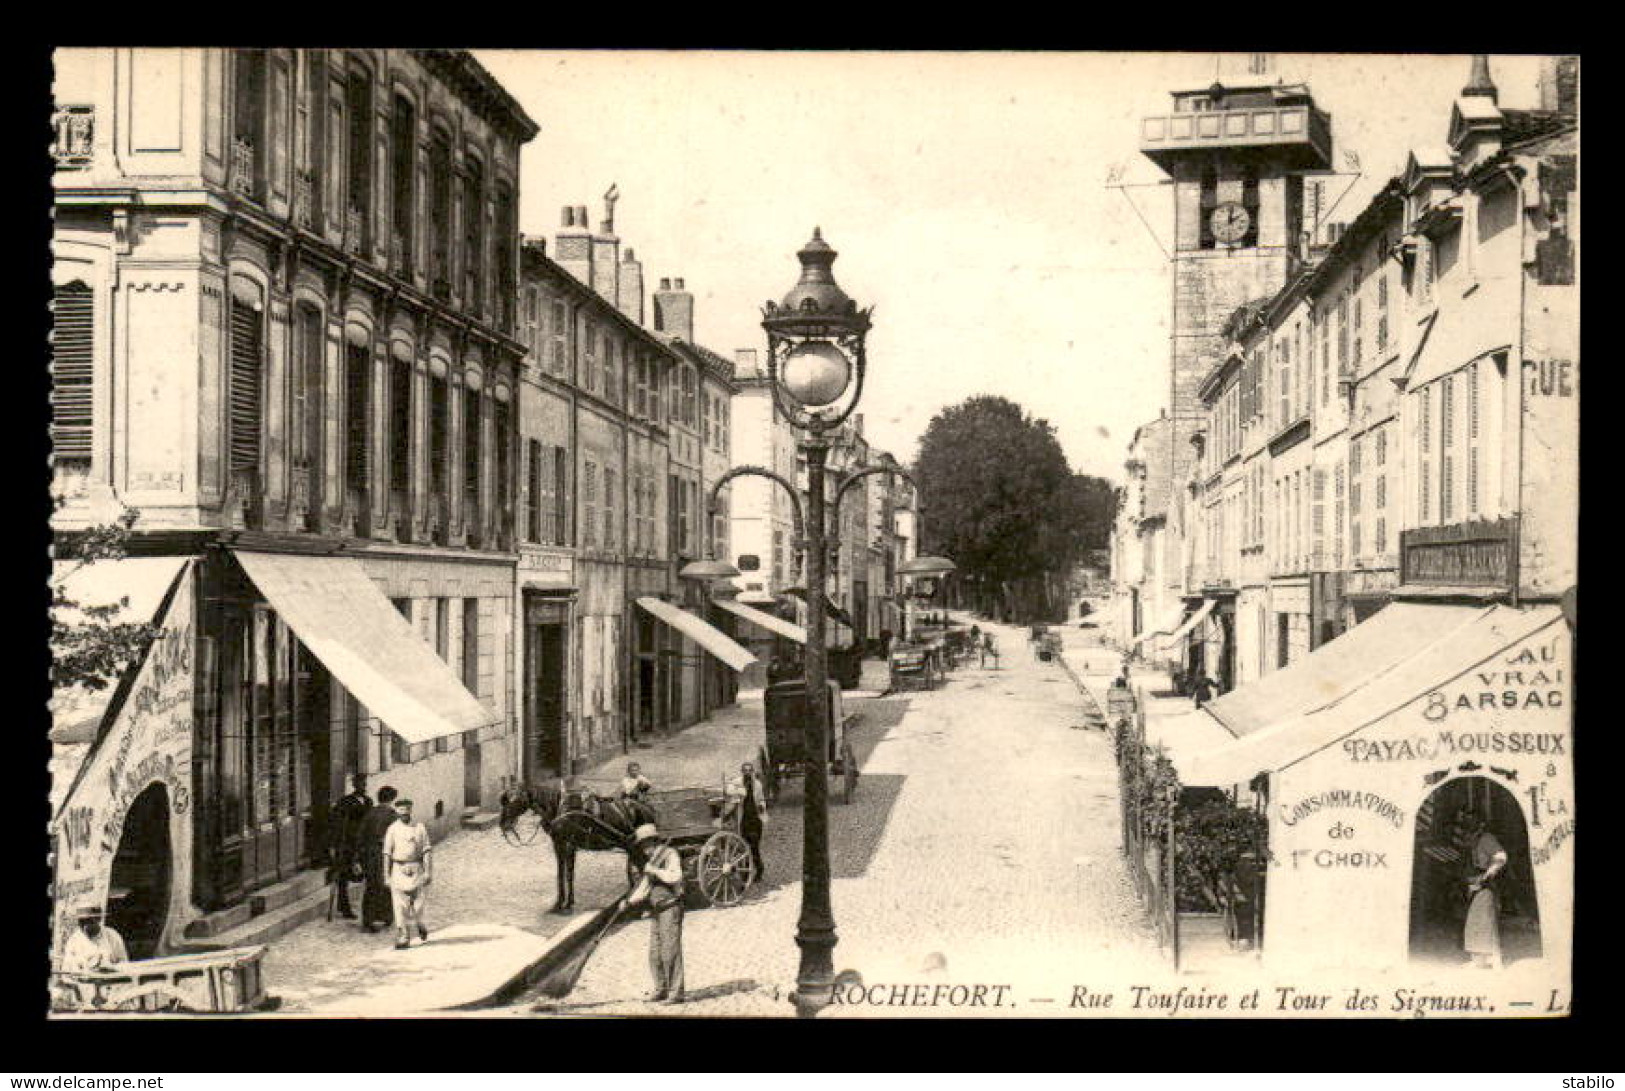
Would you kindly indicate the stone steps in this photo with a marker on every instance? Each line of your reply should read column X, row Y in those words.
column 211, row 928
column 270, row 925
column 476, row 819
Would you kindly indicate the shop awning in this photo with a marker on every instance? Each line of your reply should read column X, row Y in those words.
column 1356, row 658
column 766, row 620
column 76, row 713
column 702, row 632
column 1456, row 650
column 1191, row 622
column 1169, row 623
column 336, row 611
column 831, row 607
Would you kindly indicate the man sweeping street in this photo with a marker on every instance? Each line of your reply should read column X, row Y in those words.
column 663, row 879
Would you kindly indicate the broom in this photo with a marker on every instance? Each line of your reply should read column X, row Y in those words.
column 559, row 981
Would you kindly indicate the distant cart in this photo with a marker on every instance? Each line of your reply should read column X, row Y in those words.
column 785, row 755
column 208, row 981
column 916, row 665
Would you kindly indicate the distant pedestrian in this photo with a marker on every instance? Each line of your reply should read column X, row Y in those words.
column 745, row 792
column 1202, row 690
column 662, row 890
column 406, row 856
column 376, row 908
column 990, row 650
column 635, row 785
column 344, row 842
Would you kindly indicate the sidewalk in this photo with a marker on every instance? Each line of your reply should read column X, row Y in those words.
column 488, row 908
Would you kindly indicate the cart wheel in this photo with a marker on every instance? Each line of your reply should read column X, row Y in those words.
column 724, row 868
column 849, row 766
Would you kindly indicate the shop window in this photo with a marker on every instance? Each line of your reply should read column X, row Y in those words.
column 73, row 373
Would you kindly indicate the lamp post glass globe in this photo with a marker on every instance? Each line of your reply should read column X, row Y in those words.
column 816, row 373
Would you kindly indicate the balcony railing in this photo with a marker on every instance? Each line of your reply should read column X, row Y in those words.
column 354, row 229
column 357, row 517
column 304, row 200
column 1300, row 128
column 242, row 167
column 400, row 254
column 242, row 508
column 75, row 137
column 473, row 528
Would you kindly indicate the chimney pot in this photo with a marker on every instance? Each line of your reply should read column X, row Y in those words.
column 569, row 217
column 581, row 215
column 665, row 284
column 629, row 256
column 677, row 282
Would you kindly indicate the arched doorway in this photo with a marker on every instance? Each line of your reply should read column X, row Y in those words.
column 1443, row 864
column 138, row 888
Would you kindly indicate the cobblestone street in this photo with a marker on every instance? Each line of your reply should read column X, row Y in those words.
column 981, row 848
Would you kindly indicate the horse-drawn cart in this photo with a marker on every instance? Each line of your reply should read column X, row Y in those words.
column 785, row 755
column 207, row 981
column 916, row 664
column 698, row 824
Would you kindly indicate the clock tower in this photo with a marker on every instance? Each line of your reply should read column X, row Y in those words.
column 1237, row 155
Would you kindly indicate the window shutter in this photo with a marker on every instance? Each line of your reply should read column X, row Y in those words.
column 1318, row 516
column 357, row 405
column 73, row 372
column 561, row 496
column 400, row 447
column 246, row 359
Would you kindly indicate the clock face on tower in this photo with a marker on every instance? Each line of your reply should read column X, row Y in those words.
column 1229, row 222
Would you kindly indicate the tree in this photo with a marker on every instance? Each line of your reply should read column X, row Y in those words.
column 90, row 647
column 1002, row 502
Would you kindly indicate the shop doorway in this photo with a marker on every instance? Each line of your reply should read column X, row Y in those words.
column 138, row 886
column 1443, row 865
column 544, row 701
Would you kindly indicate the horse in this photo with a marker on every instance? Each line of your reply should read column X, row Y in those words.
column 576, row 821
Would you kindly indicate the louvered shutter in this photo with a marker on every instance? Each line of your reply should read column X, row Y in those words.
column 247, row 354
column 73, row 372
column 357, row 407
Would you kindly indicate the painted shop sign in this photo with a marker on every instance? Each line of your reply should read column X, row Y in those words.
column 1367, row 856
column 150, row 743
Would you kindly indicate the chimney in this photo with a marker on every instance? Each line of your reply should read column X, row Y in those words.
column 674, row 310
column 606, row 252
column 1476, row 122
column 630, row 287
column 1479, row 83
column 573, row 245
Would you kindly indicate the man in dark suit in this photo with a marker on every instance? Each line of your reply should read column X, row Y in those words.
column 745, row 792
column 377, row 906
column 344, row 840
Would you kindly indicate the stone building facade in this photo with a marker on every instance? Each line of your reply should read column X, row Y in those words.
column 330, row 238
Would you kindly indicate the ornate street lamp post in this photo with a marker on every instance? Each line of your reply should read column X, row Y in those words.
column 815, row 354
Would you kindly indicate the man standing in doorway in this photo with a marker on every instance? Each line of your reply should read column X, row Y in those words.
column 406, row 866
column 344, row 841
column 376, row 911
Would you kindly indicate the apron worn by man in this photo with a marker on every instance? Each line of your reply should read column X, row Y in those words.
column 406, row 860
